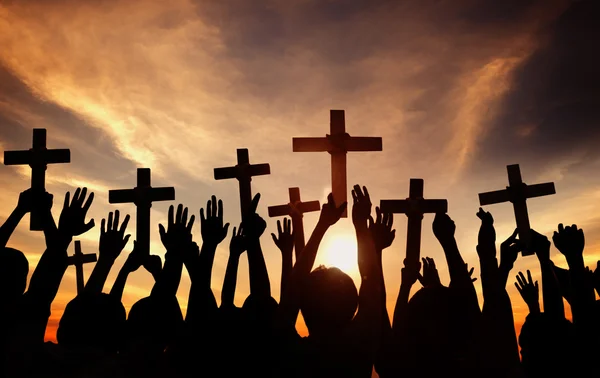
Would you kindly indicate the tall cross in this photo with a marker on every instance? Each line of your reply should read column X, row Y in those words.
column 142, row 196
column 517, row 192
column 37, row 157
column 78, row 259
column 295, row 209
column 414, row 207
column 243, row 172
column 338, row 144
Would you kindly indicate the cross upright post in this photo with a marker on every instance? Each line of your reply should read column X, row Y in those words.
column 78, row 259
column 518, row 192
column 243, row 172
column 338, row 143
column 37, row 157
column 415, row 206
column 295, row 209
column 142, row 196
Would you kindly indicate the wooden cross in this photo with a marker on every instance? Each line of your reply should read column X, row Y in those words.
column 243, row 172
column 338, row 144
column 142, row 196
column 78, row 259
column 295, row 209
column 414, row 207
column 517, row 192
column 37, row 157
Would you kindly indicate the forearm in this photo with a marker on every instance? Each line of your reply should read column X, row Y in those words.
column 47, row 276
column 553, row 301
column 9, row 226
column 583, row 292
column 95, row 283
column 399, row 322
column 119, row 286
column 456, row 265
column 260, row 285
column 286, row 271
column 169, row 279
column 201, row 272
column 230, row 281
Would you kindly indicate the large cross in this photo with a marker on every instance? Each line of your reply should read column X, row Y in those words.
column 337, row 143
column 142, row 196
column 295, row 209
column 517, row 192
column 78, row 259
column 37, row 157
column 414, row 207
column 243, row 172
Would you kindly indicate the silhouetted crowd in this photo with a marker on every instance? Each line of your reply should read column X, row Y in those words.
column 440, row 331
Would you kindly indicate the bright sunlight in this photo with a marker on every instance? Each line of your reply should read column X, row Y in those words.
column 341, row 251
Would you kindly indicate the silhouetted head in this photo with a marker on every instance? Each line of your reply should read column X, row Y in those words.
column 547, row 344
column 259, row 312
column 94, row 321
column 153, row 323
column 13, row 274
column 438, row 331
column 329, row 300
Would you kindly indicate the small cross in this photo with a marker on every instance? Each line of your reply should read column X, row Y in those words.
column 78, row 259
column 517, row 192
column 37, row 157
column 295, row 209
column 243, row 172
column 338, row 144
column 142, row 196
column 414, row 207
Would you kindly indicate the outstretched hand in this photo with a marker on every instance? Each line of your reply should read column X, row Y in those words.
column 285, row 239
column 178, row 235
column 509, row 250
column 410, row 273
column 529, row 290
column 430, row 277
column 237, row 245
column 361, row 206
column 381, row 229
column 253, row 224
column 443, row 227
column 487, row 233
column 330, row 214
column 569, row 241
column 72, row 218
column 212, row 227
column 113, row 238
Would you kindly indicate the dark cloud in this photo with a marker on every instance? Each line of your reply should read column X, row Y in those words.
column 553, row 109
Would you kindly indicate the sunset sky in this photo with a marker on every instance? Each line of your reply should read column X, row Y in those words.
column 457, row 90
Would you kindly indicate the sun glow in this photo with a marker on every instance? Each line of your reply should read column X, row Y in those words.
column 341, row 251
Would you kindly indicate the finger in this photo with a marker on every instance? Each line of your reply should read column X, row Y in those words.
column 274, row 239
column 377, row 214
column 431, row 262
column 213, row 199
column 102, row 224
column 518, row 288
column 425, row 263
column 420, row 278
column 366, row 192
column 191, row 224
column 170, row 220
column 286, row 225
column 384, row 219
column 67, row 200
column 179, row 213
column 220, row 209
column 88, row 226
column 184, row 216
column 234, row 233
column 88, row 203
column 561, row 228
column 81, row 197
column 110, row 221
column 471, row 271
column 240, row 230
column 115, row 226
column 390, row 220
column 279, row 230
column 536, row 285
column 529, row 277
column 370, row 222
column 354, row 197
column 124, row 225
column 76, row 195
column 254, row 203
column 161, row 231
column 126, row 240
column 480, row 213
column 473, row 279
column 358, row 192
column 226, row 228
column 342, row 207
column 519, row 280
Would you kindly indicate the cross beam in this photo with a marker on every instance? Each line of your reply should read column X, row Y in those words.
column 142, row 196
column 37, row 157
column 414, row 207
column 295, row 209
column 338, row 143
column 243, row 171
column 518, row 192
column 78, row 259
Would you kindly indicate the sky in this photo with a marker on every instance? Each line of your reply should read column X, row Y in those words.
column 457, row 90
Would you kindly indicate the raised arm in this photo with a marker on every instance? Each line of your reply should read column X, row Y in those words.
column 529, row 291
column 177, row 239
column 285, row 243
column 369, row 318
column 133, row 263
column 254, row 226
column 553, row 301
column 24, row 206
column 289, row 303
column 112, row 242
column 237, row 246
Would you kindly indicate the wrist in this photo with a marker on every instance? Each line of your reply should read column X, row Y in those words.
column 534, row 308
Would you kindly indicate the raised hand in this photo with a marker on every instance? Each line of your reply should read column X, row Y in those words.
column 430, row 277
column 410, row 273
column 361, row 206
column 237, row 245
column 509, row 250
column 473, row 279
column 26, row 202
column 529, row 291
column 153, row 264
column 178, row 234
column 540, row 245
column 487, row 233
column 443, row 227
column 113, row 238
column 285, row 239
column 330, row 214
column 381, row 229
column 135, row 260
column 72, row 217
column 254, row 225
column 569, row 241
column 212, row 227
